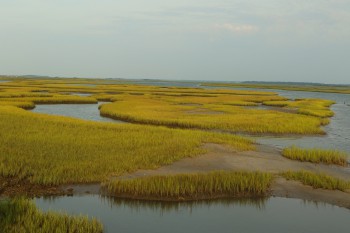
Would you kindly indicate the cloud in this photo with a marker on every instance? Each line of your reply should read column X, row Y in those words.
column 237, row 28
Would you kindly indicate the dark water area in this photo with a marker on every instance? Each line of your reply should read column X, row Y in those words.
column 225, row 216
column 82, row 111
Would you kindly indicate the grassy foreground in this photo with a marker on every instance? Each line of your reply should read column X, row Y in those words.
column 20, row 215
column 316, row 155
column 52, row 150
column 193, row 186
column 317, row 180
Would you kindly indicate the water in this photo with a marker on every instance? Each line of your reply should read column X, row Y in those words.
column 82, row 111
column 338, row 131
column 243, row 216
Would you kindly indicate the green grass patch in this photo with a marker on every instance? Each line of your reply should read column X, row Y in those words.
column 193, row 186
column 316, row 155
column 20, row 215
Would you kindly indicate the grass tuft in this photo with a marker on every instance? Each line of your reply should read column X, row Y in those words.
column 20, row 215
column 317, row 180
column 316, row 155
column 193, row 186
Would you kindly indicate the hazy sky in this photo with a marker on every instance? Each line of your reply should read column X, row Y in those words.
column 237, row 40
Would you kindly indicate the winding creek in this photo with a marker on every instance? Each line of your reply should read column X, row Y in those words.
column 270, row 215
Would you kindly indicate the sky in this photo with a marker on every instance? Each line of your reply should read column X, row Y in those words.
column 221, row 40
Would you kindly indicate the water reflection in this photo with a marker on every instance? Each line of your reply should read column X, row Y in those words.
column 230, row 215
column 167, row 207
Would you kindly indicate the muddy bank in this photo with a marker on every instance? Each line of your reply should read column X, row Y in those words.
column 293, row 189
column 10, row 187
column 266, row 159
column 218, row 157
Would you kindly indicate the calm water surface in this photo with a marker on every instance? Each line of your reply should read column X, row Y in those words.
column 338, row 131
column 82, row 111
column 243, row 216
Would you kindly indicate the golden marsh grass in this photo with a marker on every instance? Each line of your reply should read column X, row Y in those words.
column 53, row 150
column 316, row 155
column 193, row 186
column 20, row 215
column 209, row 113
column 312, row 107
column 317, row 180
column 309, row 88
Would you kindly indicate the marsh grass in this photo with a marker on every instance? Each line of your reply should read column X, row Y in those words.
column 20, row 215
column 317, row 180
column 57, row 99
column 172, row 112
column 192, row 186
column 316, row 155
column 310, row 88
column 19, row 104
column 310, row 107
column 53, row 150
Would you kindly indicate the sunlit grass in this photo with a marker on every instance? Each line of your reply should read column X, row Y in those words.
column 316, row 155
column 317, row 180
column 312, row 107
column 52, row 150
column 209, row 113
column 193, row 186
column 20, row 215
column 19, row 104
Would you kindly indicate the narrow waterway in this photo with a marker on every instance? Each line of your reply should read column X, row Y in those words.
column 82, row 111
